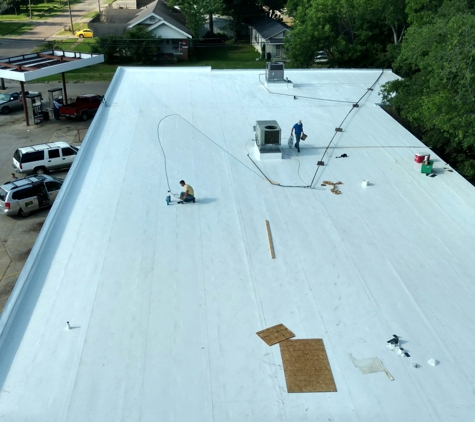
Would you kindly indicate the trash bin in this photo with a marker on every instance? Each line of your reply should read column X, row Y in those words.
column 45, row 115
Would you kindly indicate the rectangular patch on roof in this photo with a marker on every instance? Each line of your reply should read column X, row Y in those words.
column 275, row 334
column 306, row 366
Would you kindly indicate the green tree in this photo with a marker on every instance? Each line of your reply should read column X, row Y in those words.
column 241, row 11
column 358, row 33
column 437, row 94
column 110, row 47
column 137, row 45
column 141, row 45
column 421, row 11
column 197, row 12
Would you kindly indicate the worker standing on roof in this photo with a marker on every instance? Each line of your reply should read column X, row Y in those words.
column 56, row 106
column 298, row 127
column 188, row 195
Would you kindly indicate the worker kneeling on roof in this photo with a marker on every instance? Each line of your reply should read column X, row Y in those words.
column 188, row 195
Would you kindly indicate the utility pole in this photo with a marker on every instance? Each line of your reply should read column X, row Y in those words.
column 31, row 14
column 99, row 5
column 70, row 17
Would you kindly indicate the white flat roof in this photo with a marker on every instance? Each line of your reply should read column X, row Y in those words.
column 165, row 301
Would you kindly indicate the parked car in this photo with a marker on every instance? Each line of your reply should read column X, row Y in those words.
column 12, row 101
column 84, row 33
column 22, row 196
column 321, row 57
column 84, row 107
column 40, row 159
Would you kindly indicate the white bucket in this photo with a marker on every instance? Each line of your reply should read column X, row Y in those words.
column 365, row 183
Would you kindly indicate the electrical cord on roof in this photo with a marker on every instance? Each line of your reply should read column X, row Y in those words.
column 262, row 173
column 207, row 137
column 271, row 181
column 302, row 96
column 298, row 168
column 343, row 121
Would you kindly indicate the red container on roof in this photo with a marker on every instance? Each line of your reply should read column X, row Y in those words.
column 420, row 158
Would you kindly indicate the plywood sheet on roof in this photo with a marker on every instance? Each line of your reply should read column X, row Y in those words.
column 275, row 334
column 306, row 366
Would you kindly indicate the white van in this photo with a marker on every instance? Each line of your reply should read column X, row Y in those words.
column 40, row 159
column 22, row 196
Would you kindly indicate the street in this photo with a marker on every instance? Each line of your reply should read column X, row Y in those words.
column 45, row 30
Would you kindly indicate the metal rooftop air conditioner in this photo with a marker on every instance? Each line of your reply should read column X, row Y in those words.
column 274, row 71
column 268, row 136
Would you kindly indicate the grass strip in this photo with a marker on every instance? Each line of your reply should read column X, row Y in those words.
column 13, row 29
column 40, row 11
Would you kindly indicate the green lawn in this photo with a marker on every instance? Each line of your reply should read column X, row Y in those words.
column 40, row 11
column 68, row 44
column 12, row 29
column 218, row 57
column 224, row 56
column 84, row 46
column 90, row 15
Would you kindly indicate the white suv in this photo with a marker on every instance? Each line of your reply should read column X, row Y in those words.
column 40, row 159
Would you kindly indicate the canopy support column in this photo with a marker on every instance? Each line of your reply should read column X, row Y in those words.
column 23, row 97
column 65, row 94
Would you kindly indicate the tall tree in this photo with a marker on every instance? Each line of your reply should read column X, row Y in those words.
column 5, row 5
column 241, row 11
column 197, row 12
column 437, row 93
column 357, row 33
column 141, row 45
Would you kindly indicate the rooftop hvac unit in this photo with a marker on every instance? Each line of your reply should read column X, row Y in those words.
column 267, row 136
column 274, row 71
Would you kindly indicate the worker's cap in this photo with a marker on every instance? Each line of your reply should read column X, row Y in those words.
column 300, row 122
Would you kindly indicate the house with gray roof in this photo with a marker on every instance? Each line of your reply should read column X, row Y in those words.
column 267, row 36
column 165, row 22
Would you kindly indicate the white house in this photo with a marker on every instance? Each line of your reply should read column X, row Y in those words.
column 167, row 23
column 267, row 35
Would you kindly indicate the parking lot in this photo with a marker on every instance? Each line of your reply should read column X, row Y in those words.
column 17, row 235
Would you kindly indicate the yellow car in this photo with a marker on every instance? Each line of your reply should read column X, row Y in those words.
column 85, row 33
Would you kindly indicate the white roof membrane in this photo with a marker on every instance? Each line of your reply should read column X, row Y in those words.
column 164, row 301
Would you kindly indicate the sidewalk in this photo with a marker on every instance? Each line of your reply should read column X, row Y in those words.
column 46, row 30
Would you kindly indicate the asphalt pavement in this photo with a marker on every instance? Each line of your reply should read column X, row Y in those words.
column 17, row 235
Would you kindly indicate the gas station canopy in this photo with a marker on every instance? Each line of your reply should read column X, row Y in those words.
column 29, row 67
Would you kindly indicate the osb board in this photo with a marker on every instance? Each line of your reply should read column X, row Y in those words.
column 275, row 334
column 306, row 366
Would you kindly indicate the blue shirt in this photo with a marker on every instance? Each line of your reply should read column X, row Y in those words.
column 298, row 128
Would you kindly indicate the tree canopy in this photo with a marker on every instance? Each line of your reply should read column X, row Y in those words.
column 437, row 93
column 137, row 45
column 357, row 33
column 197, row 12
column 427, row 42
